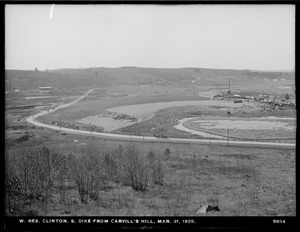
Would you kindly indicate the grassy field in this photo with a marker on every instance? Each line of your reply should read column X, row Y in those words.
column 243, row 181
column 246, row 128
column 76, row 81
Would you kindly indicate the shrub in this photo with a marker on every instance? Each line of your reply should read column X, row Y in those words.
column 135, row 170
column 156, row 168
column 111, row 165
column 157, row 171
column 29, row 175
column 17, row 201
column 167, row 153
column 34, row 168
column 286, row 96
column 87, row 172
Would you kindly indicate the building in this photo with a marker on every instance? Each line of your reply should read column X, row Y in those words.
column 249, row 97
column 262, row 97
column 237, row 101
column 45, row 89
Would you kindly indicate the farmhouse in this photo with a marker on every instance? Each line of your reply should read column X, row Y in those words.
column 45, row 89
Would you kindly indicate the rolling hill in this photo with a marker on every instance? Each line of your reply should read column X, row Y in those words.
column 71, row 81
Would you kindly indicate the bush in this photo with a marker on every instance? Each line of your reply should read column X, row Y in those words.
column 87, row 172
column 113, row 164
column 34, row 168
column 286, row 96
column 135, row 169
column 29, row 176
column 30, row 173
column 167, row 153
column 17, row 201
column 158, row 172
column 156, row 168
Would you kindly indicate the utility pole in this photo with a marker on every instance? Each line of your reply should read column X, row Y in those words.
column 229, row 84
column 227, row 135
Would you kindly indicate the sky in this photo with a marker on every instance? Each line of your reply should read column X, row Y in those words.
column 255, row 37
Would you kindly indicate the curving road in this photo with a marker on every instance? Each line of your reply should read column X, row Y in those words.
column 32, row 119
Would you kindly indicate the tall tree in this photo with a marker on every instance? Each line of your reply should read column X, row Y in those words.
column 286, row 96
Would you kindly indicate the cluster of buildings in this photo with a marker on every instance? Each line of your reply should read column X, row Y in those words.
column 275, row 102
column 236, row 98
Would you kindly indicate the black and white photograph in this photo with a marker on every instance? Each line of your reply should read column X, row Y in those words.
column 149, row 110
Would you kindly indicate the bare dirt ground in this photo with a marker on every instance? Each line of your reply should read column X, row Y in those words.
column 146, row 111
column 108, row 123
column 141, row 112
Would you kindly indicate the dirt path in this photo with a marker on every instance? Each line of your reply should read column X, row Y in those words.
column 32, row 120
column 195, row 132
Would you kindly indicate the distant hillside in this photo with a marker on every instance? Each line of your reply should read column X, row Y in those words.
column 80, row 79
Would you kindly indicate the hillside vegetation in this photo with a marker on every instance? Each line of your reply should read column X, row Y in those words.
column 109, row 178
column 68, row 80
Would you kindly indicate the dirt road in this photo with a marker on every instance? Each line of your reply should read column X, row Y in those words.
column 32, row 120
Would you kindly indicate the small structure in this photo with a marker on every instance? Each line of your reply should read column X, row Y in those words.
column 238, row 101
column 249, row 97
column 262, row 96
column 45, row 89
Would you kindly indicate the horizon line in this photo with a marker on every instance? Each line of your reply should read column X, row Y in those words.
column 82, row 68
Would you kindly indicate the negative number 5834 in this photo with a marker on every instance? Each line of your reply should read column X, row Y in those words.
column 278, row 221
